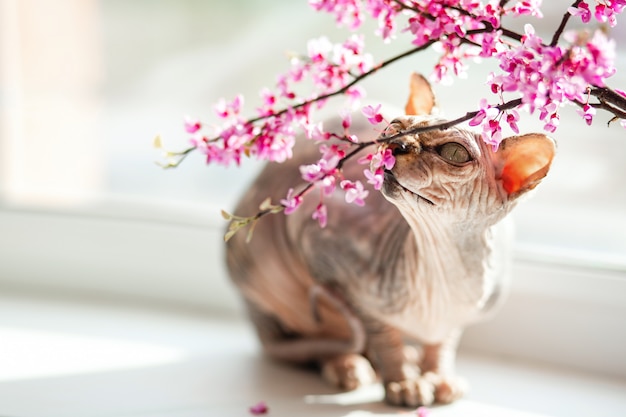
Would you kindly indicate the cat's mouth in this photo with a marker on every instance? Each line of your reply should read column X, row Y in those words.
column 391, row 186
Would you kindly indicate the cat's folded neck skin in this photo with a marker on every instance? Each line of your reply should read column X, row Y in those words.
column 450, row 187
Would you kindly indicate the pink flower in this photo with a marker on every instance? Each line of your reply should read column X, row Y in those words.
column 347, row 12
column 512, row 116
column 292, row 202
column 375, row 178
column 355, row 93
column 355, row 193
column 528, row 7
column 582, row 10
column 587, row 113
column 321, row 214
column 328, row 184
column 224, row 109
column 553, row 123
column 492, row 133
column 384, row 157
column 605, row 14
column 373, row 114
column 422, row 412
column 312, row 172
column 346, row 119
column 192, row 125
column 315, row 131
column 327, row 165
column 486, row 111
column 259, row 408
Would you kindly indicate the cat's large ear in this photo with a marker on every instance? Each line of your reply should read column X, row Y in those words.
column 421, row 97
column 522, row 161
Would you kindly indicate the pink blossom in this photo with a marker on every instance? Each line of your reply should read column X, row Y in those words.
column 312, row 172
column 486, row 111
column 259, row 408
column 512, row 117
column 355, row 94
column 328, row 184
column 347, row 12
column 491, row 44
column 375, row 178
column 346, row 119
column 582, row 10
column 192, row 125
column 355, row 192
column 605, row 14
column 422, row 412
column 383, row 158
column 291, row 202
column 315, row 131
column 553, row 123
column 327, row 165
column 373, row 114
column 492, row 133
column 528, row 7
column 587, row 113
column 225, row 109
column 321, row 214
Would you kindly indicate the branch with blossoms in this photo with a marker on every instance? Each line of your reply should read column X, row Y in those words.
column 535, row 76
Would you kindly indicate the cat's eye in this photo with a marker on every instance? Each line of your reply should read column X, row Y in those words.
column 454, row 152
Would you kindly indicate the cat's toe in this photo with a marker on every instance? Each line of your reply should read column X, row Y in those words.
column 450, row 389
column 427, row 389
column 410, row 393
column 349, row 371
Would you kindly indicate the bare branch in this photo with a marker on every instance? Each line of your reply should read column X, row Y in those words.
column 561, row 28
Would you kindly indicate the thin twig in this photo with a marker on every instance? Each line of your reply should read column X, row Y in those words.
column 346, row 87
column 561, row 28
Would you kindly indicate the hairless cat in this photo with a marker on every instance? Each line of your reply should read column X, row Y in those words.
column 384, row 290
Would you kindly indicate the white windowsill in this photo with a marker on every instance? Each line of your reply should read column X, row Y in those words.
column 67, row 358
column 172, row 255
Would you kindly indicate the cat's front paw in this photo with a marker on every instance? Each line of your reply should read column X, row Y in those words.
column 349, row 371
column 425, row 389
column 448, row 388
column 410, row 392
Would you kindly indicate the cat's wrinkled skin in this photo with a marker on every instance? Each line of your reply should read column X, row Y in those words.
column 422, row 260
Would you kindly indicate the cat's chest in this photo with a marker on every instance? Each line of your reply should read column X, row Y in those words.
column 431, row 320
column 443, row 294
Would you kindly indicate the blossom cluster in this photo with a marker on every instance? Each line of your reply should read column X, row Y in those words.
column 536, row 75
column 604, row 11
column 546, row 77
column 283, row 113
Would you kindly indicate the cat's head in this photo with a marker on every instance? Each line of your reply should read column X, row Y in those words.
column 454, row 173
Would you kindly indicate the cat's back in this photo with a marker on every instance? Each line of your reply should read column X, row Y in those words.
column 274, row 268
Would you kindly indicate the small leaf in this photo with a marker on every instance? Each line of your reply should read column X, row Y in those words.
column 235, row 225
column 226, row 215
column 266, row 204
column 229, row 235
column 158, row 143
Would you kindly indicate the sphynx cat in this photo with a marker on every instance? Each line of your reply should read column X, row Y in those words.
column 384, row 291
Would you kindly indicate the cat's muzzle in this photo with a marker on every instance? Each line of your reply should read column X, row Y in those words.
column 392, row 189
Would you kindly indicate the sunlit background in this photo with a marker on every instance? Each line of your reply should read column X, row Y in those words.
column 86, row 85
